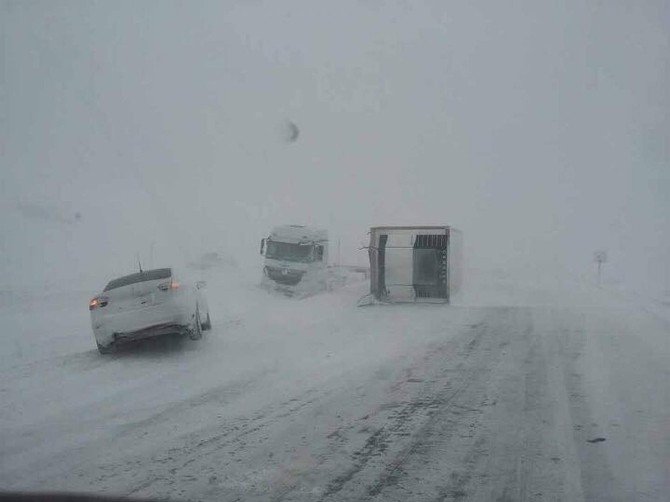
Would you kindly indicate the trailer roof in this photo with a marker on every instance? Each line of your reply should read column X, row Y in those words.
column 418, row 227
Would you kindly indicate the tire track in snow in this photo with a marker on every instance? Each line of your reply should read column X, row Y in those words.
column 208, row 452
column 480, row 425
column 406, row 431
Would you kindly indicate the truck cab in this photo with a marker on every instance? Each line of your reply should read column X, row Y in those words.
column 295, row 258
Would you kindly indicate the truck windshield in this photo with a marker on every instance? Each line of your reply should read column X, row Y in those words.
column 289, row 252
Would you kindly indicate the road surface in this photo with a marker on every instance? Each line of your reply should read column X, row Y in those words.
column 516, row 394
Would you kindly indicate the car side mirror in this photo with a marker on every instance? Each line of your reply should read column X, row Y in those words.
column 262, row 245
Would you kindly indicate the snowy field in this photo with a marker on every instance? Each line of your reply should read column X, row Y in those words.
column 516, row 392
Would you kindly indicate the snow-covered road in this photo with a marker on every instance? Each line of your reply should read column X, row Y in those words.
column 514, row 393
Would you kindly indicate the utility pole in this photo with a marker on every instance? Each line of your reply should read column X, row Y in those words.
column 600, row 257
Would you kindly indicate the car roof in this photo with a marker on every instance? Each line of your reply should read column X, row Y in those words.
column 145, row 275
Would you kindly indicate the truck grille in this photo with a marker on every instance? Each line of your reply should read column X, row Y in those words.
column 284, row 276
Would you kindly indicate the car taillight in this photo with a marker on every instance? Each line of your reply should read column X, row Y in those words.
column 98, row 301
column 164, row 286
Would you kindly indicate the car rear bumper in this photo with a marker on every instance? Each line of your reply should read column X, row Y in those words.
column 158, row 330
column 142, row 323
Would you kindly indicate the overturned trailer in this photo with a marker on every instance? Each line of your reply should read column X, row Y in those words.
column 414, row 264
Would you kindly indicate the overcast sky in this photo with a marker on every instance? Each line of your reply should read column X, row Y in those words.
column 541, row 129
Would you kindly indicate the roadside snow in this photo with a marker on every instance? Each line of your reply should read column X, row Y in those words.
column 291, row 395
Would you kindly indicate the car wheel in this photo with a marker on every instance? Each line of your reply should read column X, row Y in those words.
column 195, row 332
column 207, row 325
column 105, row 349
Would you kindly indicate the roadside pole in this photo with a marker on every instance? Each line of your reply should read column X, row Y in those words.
column 600, row 257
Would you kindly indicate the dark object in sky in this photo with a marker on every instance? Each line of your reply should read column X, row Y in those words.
column 595, row 440
column 291, row 132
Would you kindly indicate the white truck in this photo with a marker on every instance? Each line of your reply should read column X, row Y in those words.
column 296, row 260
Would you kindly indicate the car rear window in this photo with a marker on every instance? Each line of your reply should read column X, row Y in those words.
column 147, row 275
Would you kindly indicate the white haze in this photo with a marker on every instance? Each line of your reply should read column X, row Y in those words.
column 541, row 129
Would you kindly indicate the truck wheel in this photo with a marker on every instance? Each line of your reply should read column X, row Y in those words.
column 207, row 325
column 105, row 349
column 195, row 331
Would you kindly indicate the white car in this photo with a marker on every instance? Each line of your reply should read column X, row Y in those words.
column 147, row 304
